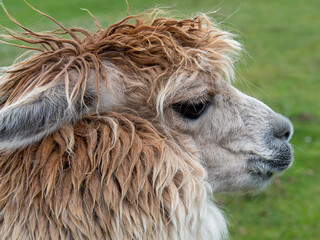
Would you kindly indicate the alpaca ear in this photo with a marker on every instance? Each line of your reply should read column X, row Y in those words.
column 42, row 112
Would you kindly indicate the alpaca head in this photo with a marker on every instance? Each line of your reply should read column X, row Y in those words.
column 175, row 74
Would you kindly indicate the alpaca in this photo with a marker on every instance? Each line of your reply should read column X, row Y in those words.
column 126, row 132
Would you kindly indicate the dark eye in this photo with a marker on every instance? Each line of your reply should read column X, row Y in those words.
column 191, row 110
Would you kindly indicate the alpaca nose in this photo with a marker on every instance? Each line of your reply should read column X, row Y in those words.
column 282, row 128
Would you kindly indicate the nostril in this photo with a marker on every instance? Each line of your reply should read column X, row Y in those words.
column 284, row 136
column 283, row 129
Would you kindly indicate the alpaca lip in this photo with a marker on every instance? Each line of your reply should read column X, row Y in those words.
column 267, row 167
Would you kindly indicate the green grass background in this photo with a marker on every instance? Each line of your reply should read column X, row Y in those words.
column 281, row 67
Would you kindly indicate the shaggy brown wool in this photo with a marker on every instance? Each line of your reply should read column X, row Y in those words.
column 150, row 50
column 108, row 177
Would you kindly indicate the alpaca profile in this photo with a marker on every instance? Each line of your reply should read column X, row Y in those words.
column 125, row 133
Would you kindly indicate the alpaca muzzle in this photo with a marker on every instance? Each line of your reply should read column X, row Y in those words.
column 280, row 153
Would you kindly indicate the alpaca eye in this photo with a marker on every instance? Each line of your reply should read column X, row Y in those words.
column 191, row 110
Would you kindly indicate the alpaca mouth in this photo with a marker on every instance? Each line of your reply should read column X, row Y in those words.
column 266, row 168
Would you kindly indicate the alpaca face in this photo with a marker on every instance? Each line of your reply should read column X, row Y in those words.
column 241, row 141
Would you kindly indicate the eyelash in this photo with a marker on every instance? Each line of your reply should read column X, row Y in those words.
column 191, row 111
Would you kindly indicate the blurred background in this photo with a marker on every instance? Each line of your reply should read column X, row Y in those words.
column 281, row 67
